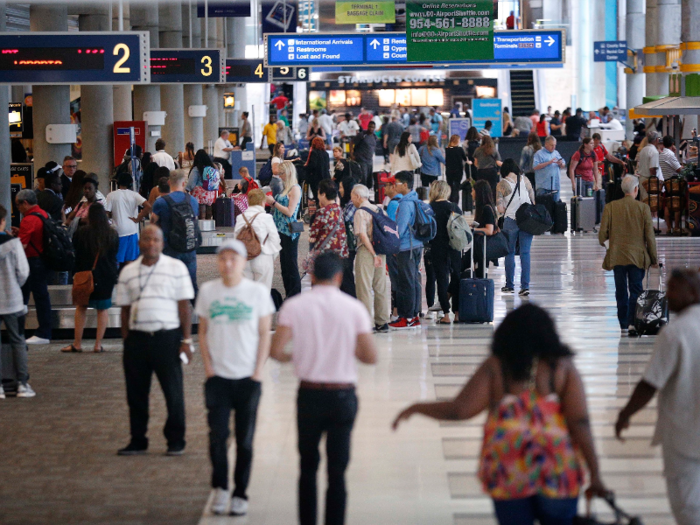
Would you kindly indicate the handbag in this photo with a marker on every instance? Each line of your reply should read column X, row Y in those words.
column 84, row 285
column 621, row 517
column 296, row 226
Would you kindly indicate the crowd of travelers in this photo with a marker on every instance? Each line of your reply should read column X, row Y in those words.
column 532, row 467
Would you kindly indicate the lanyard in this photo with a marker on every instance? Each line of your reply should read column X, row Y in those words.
column 148, row 277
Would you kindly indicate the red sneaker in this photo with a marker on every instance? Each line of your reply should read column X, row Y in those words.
column 401, row 324
column 414, row 323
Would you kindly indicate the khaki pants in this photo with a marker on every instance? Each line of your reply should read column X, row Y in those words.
column 261, row 269
column 369, row 278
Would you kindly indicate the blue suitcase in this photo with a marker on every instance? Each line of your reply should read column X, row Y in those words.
column 476, row 296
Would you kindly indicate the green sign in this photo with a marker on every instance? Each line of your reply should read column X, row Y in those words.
column 449, row 30
column 364, row 12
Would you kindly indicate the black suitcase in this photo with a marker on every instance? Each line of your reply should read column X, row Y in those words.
column 599, row 197
column 467, row 201
column 223, row 212
column 560, row 217
column 546, row 200
column 476, row 296
column 613, row 191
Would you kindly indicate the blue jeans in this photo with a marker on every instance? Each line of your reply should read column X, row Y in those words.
column 190, row 260
column 627, row 277
column 524, row 511
column 524, row 239
column 37, row 284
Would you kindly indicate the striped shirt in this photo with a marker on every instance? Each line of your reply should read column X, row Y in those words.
column 668, row 163
column 153, row 293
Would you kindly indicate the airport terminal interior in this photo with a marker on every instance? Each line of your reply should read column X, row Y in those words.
column 558, row 137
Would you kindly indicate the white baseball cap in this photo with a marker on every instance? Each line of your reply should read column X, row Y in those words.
column 235, row 245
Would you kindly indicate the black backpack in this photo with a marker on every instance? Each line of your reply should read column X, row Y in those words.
column 58, row 253
column 356, row 171
column 184, row 233
column 265, row 174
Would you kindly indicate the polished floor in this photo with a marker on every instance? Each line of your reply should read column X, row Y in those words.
column 57, row 451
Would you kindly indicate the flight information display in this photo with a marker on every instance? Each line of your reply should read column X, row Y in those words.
column 390, row 49
column 188, row 66
column 246, row 71
column 74, row 58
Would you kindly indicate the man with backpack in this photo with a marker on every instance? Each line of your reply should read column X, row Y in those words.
column 176, row 214
column 411, row 217
column 370, row 263
column 31, row 235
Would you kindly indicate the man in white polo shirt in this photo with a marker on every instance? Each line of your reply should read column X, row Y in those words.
column 674, row 371
column 222, row 153
column 329, row 331
column 235, row 316
column 154, row 292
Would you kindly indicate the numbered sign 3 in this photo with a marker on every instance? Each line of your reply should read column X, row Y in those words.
column 188, row 66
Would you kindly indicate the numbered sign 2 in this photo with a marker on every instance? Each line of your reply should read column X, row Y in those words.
column 187, row 66
column 74, row 58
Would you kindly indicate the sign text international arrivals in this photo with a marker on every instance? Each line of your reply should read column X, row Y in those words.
column 449, row 30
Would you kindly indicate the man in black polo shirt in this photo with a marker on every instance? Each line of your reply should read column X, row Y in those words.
column 574, row 125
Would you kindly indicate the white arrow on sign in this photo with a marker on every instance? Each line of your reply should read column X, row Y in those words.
column 279, row 45
column 374, row 43
column 550, row 40
column 597, row 51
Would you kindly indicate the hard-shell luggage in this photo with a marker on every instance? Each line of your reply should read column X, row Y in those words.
column 560, row 217
column 583, row 213
column 613, row 191
column 599, row 197
column 651, row 313
column 476, row 296
column 546, row 200
column 223, row 212
column 467, row 201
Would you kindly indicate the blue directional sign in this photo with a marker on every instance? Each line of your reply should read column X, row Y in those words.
column 610, row 51
column 74, row 58
column 389, row 49
column 188, row 66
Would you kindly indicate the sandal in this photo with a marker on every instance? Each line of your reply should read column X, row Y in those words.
column 445, row 320
column 71, row 349
column 98, row 350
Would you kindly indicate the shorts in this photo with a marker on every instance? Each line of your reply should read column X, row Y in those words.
column 100, row 304
column 128, row 248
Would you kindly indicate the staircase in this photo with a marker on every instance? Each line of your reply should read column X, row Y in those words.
column 522, row 92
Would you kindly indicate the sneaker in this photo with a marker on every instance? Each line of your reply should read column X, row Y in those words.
column 624, row 332
column 632, row 331
column 414, row 323
column 34, row 340
column 524, row 293
column 2, row 392
column 175, row 451
column 220, row 501
column 383, row 329
column 400, row 324
column 239, row 506
column 435, row 308
column 505, row 289
column 131, row 450
column 394, row 318
column 24, row 390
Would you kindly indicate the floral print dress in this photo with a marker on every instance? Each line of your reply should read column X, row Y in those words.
column 327, row 234
column 527, row 449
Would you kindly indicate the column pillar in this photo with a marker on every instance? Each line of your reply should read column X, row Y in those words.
column 211, row 121
column 51, row 103
column 144, row 17
column 171, row 95
column 690, row 32
column 122, row 93
column 635, row 40
column 668, row 33
column 236, row 41
column 651, row 27
column 5, row 152
column 97, row 110
column 194, row 126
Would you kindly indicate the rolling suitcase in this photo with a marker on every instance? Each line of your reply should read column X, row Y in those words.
column 613, row 191
column 467, row 201
column 599, row 197
column 651, row 313
column 223, row 212
column 560, row 217
column 476, row 296
column 583, row 212
column 546, row 200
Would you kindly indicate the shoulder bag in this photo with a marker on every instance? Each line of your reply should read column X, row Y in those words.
column 296, row 226
column 84, row 285
column 498, row 244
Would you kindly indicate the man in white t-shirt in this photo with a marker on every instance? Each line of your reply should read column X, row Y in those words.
column 674, row 371
column 326, row 123
column 348, row 128
column 235, row 317
column 648, row 163
column 330, row 331
column 122, row 206
column 161, row 157
column 222, row 153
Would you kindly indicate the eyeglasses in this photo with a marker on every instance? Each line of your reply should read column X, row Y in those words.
column 71, row 166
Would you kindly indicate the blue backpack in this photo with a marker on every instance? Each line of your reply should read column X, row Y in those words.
column 424, row 224
column 385, row 233
column 265, row 174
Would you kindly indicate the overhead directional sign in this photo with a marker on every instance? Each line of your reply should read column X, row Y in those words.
column 246, row 71
column 389, row 49
column 610, row 51
column 74, row 58
column 188, row 66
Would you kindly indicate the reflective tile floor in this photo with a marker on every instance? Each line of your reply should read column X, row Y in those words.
column 425, row 473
